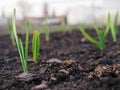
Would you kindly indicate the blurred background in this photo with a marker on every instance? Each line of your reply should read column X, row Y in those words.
column 74, row 12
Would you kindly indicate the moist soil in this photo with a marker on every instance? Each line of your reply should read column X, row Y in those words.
column 67, row 62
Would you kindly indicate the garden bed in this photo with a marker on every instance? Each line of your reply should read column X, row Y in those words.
column 67, row 62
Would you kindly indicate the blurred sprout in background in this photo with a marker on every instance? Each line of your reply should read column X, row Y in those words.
column 73, row 12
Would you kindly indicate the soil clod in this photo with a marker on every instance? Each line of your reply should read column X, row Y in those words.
column 26, row 77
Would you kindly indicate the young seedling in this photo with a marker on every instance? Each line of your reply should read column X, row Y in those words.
column 35, row 45
column 23, row 51
column 47, row 31
column 69, row 28
column 101, row 36
column 107, row 26
column 10, row 28
column 62, row 27
column 99, row 43
column 114, row 28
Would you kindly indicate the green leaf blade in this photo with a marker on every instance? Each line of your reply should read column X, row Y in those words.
column 91, row 39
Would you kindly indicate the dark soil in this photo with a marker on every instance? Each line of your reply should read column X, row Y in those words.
column 67, row 62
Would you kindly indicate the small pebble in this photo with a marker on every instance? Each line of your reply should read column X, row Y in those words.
column 83, row 39
column 54, row 60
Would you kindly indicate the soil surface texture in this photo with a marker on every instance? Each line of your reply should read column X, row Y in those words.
column 67, row 62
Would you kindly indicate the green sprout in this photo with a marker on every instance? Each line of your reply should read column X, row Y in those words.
column 23, row 51
column 102, row 34
column 47, row 31
column 69, row 28
column 62, row 27
column 99, row 43
column 107, row 26
column 114, row 28
column 10, row 28
column 35, row 45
